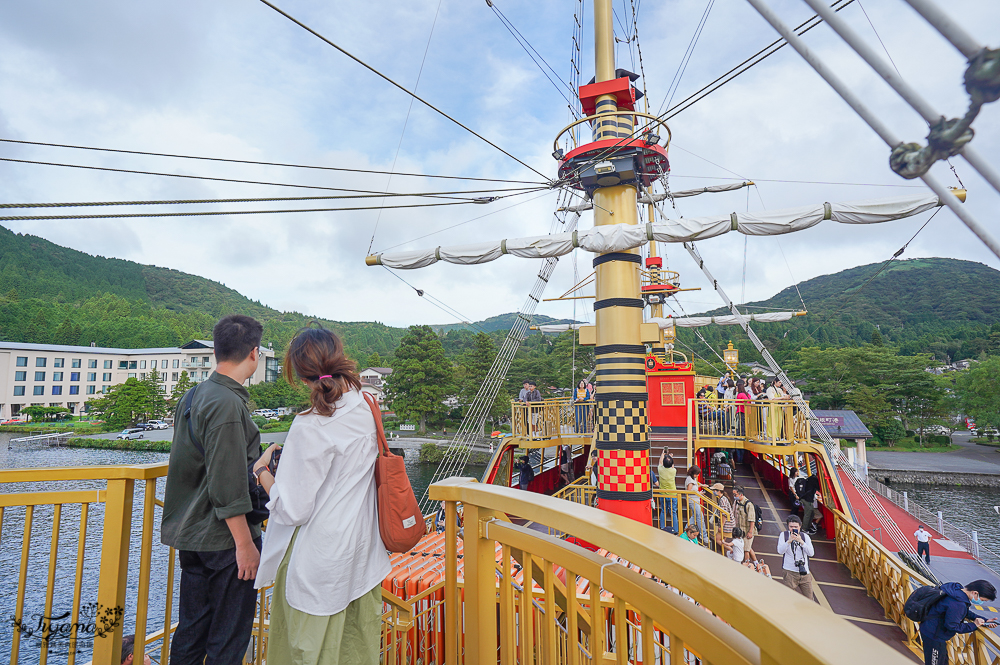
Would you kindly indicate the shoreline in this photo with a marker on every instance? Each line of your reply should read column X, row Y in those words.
column 141, row 445
column 920, row 477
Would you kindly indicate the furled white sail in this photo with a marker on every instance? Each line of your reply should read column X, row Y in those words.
column 698, row 321
column 618, row 237
column 685, row 321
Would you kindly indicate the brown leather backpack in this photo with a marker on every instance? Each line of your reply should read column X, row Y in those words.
column 400, row 522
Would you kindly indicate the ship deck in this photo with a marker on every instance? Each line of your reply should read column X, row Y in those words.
column 835, row 588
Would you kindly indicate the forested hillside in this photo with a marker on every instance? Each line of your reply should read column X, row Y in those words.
column 945, row 307
column 52, row 294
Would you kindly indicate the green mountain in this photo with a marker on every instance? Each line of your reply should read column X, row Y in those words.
column 52, row 294
column 946, row 307
column 503, row 322
column 55, row 295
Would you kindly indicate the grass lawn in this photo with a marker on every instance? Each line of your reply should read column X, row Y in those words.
column 908, row 445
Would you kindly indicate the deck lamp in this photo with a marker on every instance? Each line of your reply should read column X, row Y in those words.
column 649, row 138
column 731, row 357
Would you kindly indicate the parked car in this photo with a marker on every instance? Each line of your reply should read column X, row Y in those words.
column 157, row 424
column 130, row 434
column 939, row 429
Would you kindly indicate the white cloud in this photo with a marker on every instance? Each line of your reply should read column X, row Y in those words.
column 235, row 79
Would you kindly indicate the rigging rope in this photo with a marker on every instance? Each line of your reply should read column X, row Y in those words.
column 528, row 48
column 389, row 80
column 373, row 195
column 448, row 228
column 406, row 121
column 222, row 212
column 260, row 163
column 190, row 177
column 450, row 311
column 686, row 58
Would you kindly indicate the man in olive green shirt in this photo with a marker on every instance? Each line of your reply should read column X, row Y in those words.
column 206, row 502
column 667, row 480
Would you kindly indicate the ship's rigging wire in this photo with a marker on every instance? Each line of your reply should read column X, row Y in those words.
column 878, row 36
column 197, row 177
column 667, row 114
column 260, row 163
column 686, row 58
column 406, row 121
column 208, row 213
column 448, row 228
column 400, row 87
column 375, row 195
column 532, row 52
column 450, row 311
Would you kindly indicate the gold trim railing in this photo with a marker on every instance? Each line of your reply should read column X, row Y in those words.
column 768, row 422
column 713, row 516
column 890, row 582
column 762, row 622
column 551, row 418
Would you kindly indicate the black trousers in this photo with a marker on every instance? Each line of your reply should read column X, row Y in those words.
column 216, row 610
column 935, row 653
column 925, row 550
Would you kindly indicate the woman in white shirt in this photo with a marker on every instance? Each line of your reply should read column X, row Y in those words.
column 322, row 549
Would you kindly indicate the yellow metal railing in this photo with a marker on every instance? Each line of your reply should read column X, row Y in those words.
column 890, row 582
column 556, row 614
column 689, row 504
column 774, row 422
column 551, row 418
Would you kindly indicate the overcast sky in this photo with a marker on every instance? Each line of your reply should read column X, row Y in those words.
column 234, row 79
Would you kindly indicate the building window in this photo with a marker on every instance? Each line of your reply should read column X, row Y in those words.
column 173, row 376
column 163, row 377
column 142, row 377
column 207, row 360
column 107, row 364
column 271, row 370
column 56, row 376
column 22, row 361
column 74, row 390
column 204, row 375
column 39, row 376
column 92, row 363
column 672, row 393
column 74, row 376
column 177, row 363
column 75, row 363
column 106, row 376
column 92, row 376
column 58, row 362
column 132, row 364
column 131, row 375
column 142, row 364
column 91, row 390
column 20, row 376
column 18, row 391
column 57, row 390
column 122, row 364
column 105, row 389
column 39, row 362
column 38, row 390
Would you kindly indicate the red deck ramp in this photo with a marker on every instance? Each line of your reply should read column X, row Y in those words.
column 904, row 523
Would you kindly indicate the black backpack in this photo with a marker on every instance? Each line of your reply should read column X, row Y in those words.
column 920, row 602
column 258, row 497
column 758, row 521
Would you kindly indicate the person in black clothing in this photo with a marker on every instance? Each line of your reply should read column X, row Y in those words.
column 805, row 489
column 952, row 615
column 527, row 474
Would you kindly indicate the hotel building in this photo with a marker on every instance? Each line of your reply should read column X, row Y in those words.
column 69, row 376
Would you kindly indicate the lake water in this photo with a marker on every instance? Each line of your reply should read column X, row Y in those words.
column 12, row 538
column 968, row 508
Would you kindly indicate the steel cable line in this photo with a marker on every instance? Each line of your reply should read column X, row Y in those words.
column 406, row 120
column 389, row 80
column 223, row 212
column 81, row 204
column 686, row 58
column 200, row 177
column 448, row 228
column 434, row 301
column 756, row 58
column 666, row 115
column 528, row 48
column 259, row 163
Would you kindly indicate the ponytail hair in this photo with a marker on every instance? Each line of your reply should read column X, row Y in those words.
column 316, row 357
